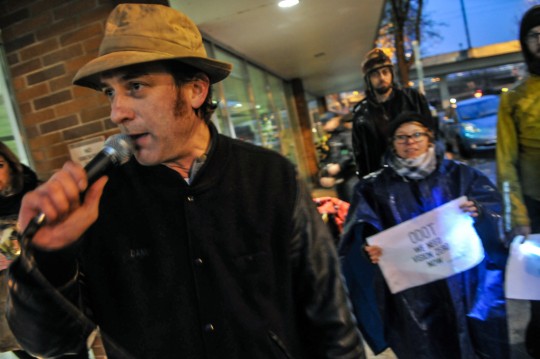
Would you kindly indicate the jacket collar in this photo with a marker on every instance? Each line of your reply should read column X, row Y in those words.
column 211, row 172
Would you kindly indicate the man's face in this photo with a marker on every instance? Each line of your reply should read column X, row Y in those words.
column 533, row 41
column 147, row 105
column 381, row 80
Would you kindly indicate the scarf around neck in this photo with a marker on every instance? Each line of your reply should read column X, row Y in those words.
column 414, row 168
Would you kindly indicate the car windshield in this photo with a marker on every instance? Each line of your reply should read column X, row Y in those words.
column 482, row 108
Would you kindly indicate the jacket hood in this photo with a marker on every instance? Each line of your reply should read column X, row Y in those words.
column 530, row 20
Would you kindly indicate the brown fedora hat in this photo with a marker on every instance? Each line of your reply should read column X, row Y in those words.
column 138, row 33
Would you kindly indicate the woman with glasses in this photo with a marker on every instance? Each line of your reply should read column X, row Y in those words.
column 462, row 316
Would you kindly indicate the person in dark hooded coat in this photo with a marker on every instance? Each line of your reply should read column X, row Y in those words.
column 462, row 316
column 15, row 180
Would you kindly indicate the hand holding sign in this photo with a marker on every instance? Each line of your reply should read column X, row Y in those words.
column 470, row 208
column 374, row 253
column 432, row 246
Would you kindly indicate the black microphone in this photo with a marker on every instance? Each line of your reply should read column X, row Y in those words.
column 116, row 151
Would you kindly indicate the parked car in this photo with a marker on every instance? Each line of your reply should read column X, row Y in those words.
column 471, row 125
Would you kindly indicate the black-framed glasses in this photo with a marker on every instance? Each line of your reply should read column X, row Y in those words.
column 533, row 36
column 416, row 137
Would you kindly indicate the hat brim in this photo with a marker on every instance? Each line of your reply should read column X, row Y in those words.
column 89, row 74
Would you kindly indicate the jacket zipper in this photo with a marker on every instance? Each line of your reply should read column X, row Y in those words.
column 280, row 344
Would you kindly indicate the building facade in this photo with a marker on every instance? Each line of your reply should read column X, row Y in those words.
column 42, row 116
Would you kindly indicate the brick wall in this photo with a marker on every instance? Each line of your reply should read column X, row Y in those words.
column 46, row 42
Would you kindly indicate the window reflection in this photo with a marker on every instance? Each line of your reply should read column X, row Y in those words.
column 9, row 123
column 254, row 108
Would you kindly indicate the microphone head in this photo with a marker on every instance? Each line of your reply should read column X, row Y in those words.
column 120, row 148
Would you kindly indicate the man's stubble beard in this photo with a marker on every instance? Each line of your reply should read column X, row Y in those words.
column 383, row 90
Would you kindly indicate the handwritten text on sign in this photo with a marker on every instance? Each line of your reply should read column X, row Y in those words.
column 432, row 246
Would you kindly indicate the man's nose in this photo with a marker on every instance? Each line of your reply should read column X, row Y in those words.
column 120, row 110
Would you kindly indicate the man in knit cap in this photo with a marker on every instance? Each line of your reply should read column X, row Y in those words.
column 518, row 154
column 383, row 102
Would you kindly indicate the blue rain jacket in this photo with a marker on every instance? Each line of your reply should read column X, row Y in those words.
column 463, row 316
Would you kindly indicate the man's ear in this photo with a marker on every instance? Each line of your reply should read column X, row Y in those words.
column 199, row 90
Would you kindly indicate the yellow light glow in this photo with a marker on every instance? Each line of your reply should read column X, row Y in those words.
column 504, row 89
column 288, row 3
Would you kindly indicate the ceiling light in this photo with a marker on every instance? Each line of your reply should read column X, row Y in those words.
column 287, row 3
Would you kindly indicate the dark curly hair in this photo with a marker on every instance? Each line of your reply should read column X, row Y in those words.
column 182, row 74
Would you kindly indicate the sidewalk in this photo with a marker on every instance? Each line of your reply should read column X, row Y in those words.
column 518, row 317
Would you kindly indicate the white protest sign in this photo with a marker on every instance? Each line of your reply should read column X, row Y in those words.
column 523, row 269
column 83, row 151
column 432, row 246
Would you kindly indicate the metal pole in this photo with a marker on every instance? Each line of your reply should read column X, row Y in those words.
column 466, row 23
column 419, row 68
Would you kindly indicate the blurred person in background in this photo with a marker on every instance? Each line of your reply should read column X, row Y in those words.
column 518, row 154
column 337, row 166
column 383, row 102
column 16, row 180
column 462, row 316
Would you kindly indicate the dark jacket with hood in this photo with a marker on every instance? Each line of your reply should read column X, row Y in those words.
column 238, row 264
column 530, row 20
column 370, row 124
column 459, row 317
column 9, row 210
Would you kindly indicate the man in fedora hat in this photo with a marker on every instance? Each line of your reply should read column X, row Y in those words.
column 383, row 102
column 191, row 249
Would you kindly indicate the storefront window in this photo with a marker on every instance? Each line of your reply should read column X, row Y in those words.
column 237, row 105
column 9, row 129
column 264, row 123
column 253, row 106
column 284, row 130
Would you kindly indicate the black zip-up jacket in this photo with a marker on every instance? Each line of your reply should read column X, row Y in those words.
column 236, row 265
column 370, row 125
